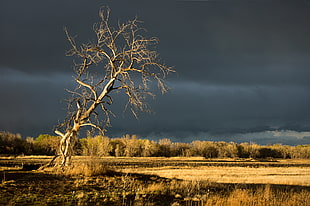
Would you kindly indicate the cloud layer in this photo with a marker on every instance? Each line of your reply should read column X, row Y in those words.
column 242, row 66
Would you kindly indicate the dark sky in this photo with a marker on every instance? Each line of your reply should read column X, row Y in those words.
column 243, row 67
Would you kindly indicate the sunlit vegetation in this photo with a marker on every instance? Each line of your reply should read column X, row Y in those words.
column 132, row 146
column 14, row 144
column 133, row 171
column 281, row 172
column 91, row 182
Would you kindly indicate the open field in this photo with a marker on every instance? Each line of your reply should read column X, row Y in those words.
column 281, row 172
column 155, row 181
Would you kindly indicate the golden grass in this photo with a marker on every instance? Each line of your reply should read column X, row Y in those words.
column 91, row 167
column 186, row 184
column 267, row 175
column 196, row 193
column 261, row 197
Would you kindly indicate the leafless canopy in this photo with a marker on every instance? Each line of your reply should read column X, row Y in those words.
column 121, row 59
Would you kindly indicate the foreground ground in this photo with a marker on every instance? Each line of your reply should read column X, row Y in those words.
column 156, row 181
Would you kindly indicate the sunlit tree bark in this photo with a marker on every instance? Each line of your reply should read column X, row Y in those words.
column 121, row 59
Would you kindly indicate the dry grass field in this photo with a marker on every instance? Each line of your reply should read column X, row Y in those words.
column 237, row 175
column 156, row 181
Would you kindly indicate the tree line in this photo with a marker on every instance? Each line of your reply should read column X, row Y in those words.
column 132, row 146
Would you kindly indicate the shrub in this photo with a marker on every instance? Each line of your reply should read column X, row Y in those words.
column 91, row 167
column 205, row 149
column 46, row 144
column 265, row 152
column 96, row 146
column 133, row 147
column 11, row 143
column 227, row 150
column 118, row 148
column 300, row 152
column 165, row 147
column 182, row 149
column 149, row 148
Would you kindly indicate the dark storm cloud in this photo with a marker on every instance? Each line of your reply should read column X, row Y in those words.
column 242, row 66
column 265, row 41
column 31, row 104
column 32, row 36
column 32, row 32
column 222, row 109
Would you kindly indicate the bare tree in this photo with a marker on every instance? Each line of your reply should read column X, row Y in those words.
column 121, row 59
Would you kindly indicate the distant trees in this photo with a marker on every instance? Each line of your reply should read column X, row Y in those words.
column 11, row 143
column 44, row 144
column 132, row 146
column 95, row 146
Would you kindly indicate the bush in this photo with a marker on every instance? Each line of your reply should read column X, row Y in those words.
column 96, row 146
column 268, row 152
column 118, row 147
column 11, row 143
column 149, row 148
column 46, row 144
column 91, row 167
column 205, row 149
column 246, row 150
column 133, row 147
column 227, row 150
column 300, row 152
column 165, row 148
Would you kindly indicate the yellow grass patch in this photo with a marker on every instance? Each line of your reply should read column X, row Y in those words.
column 267, row 175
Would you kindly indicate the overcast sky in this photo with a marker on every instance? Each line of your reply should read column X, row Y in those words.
column 243, row 67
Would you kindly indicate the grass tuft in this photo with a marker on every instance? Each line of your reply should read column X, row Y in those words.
column 93, row 167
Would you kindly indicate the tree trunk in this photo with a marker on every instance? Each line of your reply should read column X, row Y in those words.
column 66, row 147
column 68, row 139
column 65, row 150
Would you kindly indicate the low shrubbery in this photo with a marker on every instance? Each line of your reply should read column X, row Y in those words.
column 132, row 146
column 44, row 144
column 12, row 143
